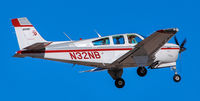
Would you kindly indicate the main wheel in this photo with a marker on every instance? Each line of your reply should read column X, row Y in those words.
column 119, row 83
column 141, row 71
column 177, row 78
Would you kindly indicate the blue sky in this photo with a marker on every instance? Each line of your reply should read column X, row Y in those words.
column 34, row 79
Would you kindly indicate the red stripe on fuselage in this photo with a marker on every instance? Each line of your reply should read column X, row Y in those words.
column 81, row 50
column 169, row 48
column 78, row 50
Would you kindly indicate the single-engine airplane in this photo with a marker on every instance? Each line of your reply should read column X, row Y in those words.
column 112, row 53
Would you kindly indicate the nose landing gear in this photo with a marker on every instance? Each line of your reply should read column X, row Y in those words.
column 176, row 77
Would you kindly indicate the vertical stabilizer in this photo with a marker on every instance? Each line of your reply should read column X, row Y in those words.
column 26, row 33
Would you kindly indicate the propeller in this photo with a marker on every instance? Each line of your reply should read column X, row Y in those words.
column 182, row 48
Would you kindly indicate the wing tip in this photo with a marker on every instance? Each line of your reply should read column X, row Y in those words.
column 168, row 30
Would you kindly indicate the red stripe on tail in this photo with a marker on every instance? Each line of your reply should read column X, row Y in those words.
column 16, row 23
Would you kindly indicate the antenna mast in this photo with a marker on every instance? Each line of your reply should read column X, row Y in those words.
column 67, row 36
column 97, row 33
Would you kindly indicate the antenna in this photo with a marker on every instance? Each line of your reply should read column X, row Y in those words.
column 97, row 33
column 67, row 36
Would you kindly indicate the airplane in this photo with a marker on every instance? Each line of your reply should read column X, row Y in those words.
column 111, row 53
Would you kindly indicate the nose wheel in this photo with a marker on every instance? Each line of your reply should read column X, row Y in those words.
column 177, row 77
column 119, row 83
column 141, row 71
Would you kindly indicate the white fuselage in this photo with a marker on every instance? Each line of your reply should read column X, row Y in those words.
column 84, row 52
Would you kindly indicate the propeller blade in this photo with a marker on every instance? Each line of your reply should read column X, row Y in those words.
column 182, row 48
column 176, row 40
column 183, row 43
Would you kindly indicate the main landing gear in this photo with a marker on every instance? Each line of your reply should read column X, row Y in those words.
column 141, row 71
column 116, row 74
column 119, row 83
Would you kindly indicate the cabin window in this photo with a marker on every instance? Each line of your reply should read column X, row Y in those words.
column 118, row 39
column 132, row 39
column 104, row 41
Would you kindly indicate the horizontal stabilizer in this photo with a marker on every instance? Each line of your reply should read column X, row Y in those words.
column 19, row 55
column 38, row 46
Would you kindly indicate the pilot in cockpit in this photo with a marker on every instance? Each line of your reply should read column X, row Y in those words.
column 131, row 39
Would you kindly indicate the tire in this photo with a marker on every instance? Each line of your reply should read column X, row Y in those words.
column 119, row 83
column 141, row 71
column 177, row 78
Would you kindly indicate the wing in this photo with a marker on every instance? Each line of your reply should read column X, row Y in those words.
column 144, row 51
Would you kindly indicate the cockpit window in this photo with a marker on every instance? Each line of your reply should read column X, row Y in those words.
column 138, row 39
column 133, row 39
column 118, row 39
column 104, row 41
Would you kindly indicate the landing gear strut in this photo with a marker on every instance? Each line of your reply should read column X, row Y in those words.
column 176, row 78
column 141, row 71
column 116, row 74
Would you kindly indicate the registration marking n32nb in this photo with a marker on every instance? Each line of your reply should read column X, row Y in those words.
column 85, row 55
